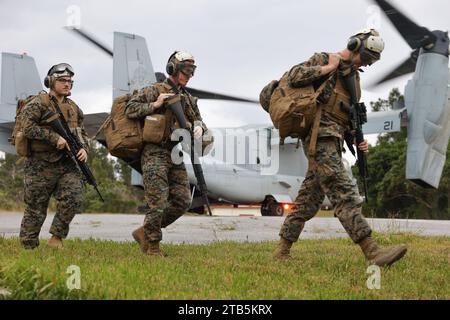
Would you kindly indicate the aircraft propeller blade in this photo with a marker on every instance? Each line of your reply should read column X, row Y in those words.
column 407, row 66
column 416, row 36
column 92, row 40
column 202, row 94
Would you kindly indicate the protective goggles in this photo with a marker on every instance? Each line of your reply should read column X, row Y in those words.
column 187, row 69
column 369, row 57
column 60, row 68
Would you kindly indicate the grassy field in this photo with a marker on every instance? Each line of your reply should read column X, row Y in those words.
column 321, row 269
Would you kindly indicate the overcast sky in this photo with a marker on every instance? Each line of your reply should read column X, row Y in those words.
column 239, row 46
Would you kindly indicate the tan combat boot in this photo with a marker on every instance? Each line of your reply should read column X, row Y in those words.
column 138, row 235
column 381, row 256
column 283, row 249
column 55, row 243
column 153, row 249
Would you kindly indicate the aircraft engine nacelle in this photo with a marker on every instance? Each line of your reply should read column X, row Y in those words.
column 428, row 107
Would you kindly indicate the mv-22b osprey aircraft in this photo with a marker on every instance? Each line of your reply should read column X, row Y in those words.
column 255, row 168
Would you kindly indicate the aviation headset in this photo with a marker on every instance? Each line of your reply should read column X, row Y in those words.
column 368, row 43
column 175, row 60
column 64, row 69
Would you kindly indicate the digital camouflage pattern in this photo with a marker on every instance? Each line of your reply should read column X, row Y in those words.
column 141, row 104
column 50, row 173
column 42, row 179
column 308, row 72
column 33, row 129
column 326, row 172
column 166, row 185
column 327, row 177
column 166, row 188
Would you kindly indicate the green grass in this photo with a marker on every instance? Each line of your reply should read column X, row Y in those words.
column 321, row 269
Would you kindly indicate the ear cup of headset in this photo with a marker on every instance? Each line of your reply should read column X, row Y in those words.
column 354, row 44
column 47, row 82
column 170, row 68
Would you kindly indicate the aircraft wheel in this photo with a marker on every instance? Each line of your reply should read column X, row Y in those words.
column 270, row 207
column 276, row 209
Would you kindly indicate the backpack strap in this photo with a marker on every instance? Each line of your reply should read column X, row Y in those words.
column 315, row 131
column 316, row 124
column 104, row 124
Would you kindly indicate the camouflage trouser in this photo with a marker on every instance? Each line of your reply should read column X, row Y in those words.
column 166, row 189
column 327, row 177
column 41, row 180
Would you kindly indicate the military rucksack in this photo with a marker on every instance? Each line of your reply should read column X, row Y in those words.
column 123, row 135
column 18, row 138
column 294, row 111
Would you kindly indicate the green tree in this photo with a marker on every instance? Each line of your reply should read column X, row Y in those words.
column 113, row 179
column 111, row 175
column 11, row 186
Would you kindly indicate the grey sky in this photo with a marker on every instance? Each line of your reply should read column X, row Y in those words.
column 239, row 45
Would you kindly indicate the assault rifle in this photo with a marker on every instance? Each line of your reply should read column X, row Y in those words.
column 177, row 108
column 58, row 123
column 358, row 116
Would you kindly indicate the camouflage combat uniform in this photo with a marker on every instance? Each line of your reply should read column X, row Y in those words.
column 166, row 184
column 326, row 174
column 49, row 171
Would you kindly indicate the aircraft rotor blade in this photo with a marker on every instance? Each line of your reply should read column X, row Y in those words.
column 202, row 94
column 92, row 40
column 407, row 66
column 415, row 35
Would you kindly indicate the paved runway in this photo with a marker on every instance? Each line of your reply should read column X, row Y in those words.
column 205, row 229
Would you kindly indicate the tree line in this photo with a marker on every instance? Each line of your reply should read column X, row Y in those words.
column 113, row 177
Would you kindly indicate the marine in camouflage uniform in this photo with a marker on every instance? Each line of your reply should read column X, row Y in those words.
column 49, row 171
column 328, row 176
column 326, row 173
column 166, row 184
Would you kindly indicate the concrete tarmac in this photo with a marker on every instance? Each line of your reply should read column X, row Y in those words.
column 206, row 229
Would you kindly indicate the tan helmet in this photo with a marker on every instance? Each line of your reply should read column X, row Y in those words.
column 368, row 43
column 177, row 62
column 57, row 71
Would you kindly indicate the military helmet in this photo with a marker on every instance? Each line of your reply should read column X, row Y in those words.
column 177, row 62
column 368, row 43
column 57, row 71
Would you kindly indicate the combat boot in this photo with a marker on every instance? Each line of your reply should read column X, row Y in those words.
column 283, row 249
column 138, row 235
column 153, row 249
column 381, row 256
column 55, row 242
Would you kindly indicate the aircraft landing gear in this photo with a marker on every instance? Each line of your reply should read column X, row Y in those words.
column 271, row 207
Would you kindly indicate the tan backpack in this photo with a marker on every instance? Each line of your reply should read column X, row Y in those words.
column 294, row 111
column 123, row 135
column 18, row 138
